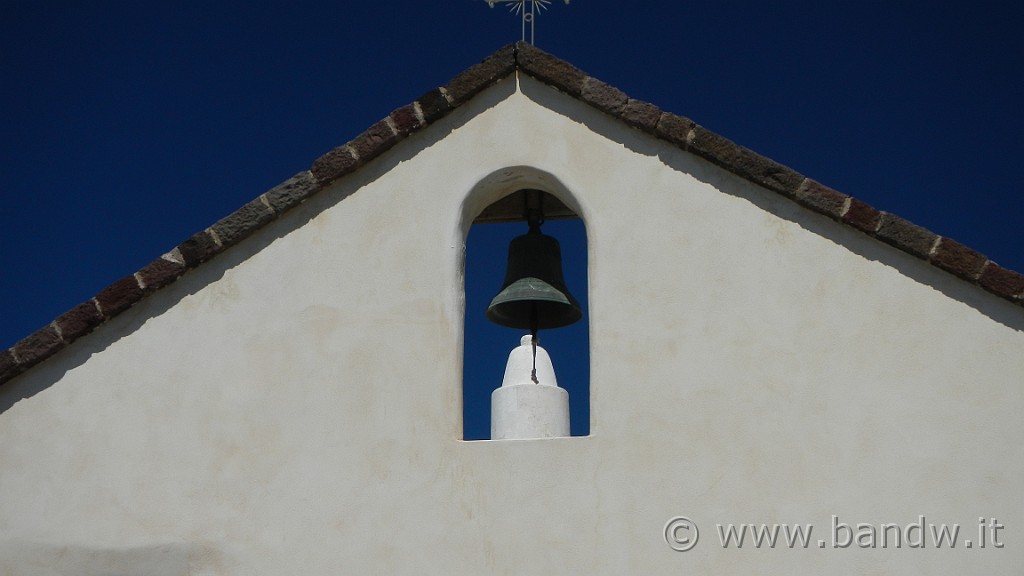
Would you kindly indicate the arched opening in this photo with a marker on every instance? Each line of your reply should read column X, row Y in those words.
column 487, row 345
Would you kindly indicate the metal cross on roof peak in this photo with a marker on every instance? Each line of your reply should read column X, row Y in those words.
column 528, row 13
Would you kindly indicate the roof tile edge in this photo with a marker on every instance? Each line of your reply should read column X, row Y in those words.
column 944, row 253
column 939, row 251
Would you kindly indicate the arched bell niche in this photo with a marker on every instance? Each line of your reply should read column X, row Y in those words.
column 494, row 213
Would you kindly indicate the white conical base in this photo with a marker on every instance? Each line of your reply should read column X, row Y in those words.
column 522, row 408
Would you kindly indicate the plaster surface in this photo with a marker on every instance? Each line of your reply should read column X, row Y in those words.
column 292, row 407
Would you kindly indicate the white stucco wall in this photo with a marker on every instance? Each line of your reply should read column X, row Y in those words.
column 293, row 407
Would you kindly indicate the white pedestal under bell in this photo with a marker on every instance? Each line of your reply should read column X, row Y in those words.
column 522, row 408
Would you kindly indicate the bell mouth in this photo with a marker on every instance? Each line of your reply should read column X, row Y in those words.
column 531, row 303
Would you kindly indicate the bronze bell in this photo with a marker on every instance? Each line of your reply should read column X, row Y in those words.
column 534, row 296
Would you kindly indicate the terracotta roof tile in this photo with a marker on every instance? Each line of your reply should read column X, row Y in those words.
column 1003, row 282
column 675, row 129
column 9, row 367
column 236, row 226
column 377, row 139
column 198, row 249
column 407, row 119
column 641, row 115
column 481, row 76
column 606, row 98
column 550, row 70
column 943, row 253
column 38, row 346
column 906, row 236
column 862, row 216
column 79, row 321
column 822, row 199
column 292, row 192
column 958, row 259
column 119, row 296
column 744, row 162
column 339, row 162
column 434, row 105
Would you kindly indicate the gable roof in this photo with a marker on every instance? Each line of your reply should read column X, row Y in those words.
column 945, row 253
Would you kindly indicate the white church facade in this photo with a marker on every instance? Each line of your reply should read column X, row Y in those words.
column 281, row 393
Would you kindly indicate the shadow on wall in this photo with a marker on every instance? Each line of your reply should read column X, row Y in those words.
column 848, row 237
column 41, row 376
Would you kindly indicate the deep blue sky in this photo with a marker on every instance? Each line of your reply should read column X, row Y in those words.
column 129, row 126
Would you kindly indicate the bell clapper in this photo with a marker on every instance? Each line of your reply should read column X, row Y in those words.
column 533, row 374
column 533, row 343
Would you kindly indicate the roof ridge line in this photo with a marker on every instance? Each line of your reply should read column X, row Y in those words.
column 941, row 252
